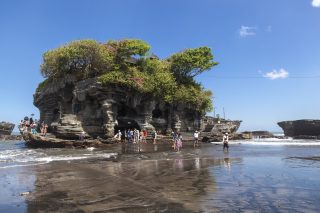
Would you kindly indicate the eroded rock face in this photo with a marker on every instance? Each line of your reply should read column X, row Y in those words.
column 309, row 129
column 70, row 107
column 6, row 128
column 214, row 128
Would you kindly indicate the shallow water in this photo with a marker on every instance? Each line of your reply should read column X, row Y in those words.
column 255, row 176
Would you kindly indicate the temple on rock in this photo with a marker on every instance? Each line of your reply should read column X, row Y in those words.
column 100, row 88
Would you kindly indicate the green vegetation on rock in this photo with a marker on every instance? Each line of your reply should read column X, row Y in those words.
column 83, row 59
column 190, row 63
column 128, row 63
column 42, row 85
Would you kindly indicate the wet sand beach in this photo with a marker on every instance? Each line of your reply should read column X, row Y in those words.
column 248, row 178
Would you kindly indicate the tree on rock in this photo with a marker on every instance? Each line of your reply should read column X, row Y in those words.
column 191, row 62
column 129, row 63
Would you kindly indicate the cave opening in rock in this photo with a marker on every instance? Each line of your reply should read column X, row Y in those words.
column 126, row 124
column 156, row 113
column 126, row 111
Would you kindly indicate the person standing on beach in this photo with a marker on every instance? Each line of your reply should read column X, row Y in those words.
column 141, row 138
column 225, row 141
column 154, row 137
column 179, row 142
column 145, row 135
column 196, row 139
column 129, row 135
column 136, row 135
column 174, row 139
column 42, row 128
column 45, row 130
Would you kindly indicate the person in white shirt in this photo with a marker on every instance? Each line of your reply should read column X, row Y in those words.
column 196, row 138
column 225, row 141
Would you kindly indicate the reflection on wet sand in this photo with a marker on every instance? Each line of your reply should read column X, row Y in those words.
column 169, row 184
column 14, row 183
column 157, row 179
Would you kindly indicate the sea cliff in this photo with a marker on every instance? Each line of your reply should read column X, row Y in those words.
column 301, row 129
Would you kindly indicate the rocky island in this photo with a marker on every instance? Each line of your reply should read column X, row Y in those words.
column 6, row 129
column 101, row 88
column 301, row 129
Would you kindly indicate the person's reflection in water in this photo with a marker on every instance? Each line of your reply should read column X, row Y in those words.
column 197, row 163
column 178, row 164
column 227, row 163
column 155, row 147
column 157, row 165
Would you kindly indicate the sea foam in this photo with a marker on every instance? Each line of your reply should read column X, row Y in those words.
column 275, row 142
column 25, row 157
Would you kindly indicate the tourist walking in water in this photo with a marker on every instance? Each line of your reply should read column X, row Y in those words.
column 141, row 139
column 174, row 139
column 225, row 141
column 145, row 135
column 136, row 135
column 129, row 135
column 196, row 139
column 179, row 142
column 154, row 136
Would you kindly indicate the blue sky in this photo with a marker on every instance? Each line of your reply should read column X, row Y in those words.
column 253, row 41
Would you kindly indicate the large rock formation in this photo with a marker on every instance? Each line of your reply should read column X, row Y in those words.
column 6, row 128
column 70, row 107
column 301, row 128
column 214, row 128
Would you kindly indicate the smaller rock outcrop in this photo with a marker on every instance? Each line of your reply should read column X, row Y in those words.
column 68, row 127
column 6, row 128
column 262, row 134
column 50, row 141
column 10, row 138
column 301, row 129
column 214, row 128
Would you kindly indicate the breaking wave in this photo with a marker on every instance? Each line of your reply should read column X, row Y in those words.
column 14, row 155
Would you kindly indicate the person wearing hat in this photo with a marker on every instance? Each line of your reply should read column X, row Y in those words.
column 225, row 141
column 196, row 138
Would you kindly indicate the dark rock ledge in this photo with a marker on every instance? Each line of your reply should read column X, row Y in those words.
column 301, row 129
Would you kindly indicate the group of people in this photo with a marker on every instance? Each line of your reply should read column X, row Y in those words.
column 30, row 125
column 177, row 141
column 135, row 136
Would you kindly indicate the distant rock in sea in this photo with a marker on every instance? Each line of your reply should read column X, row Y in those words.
column 214, row 128
column 6, row 128
column 301, row 129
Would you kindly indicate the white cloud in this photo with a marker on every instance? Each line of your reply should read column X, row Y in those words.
column 315, row 3
column 247, row 31
column 282, row 73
